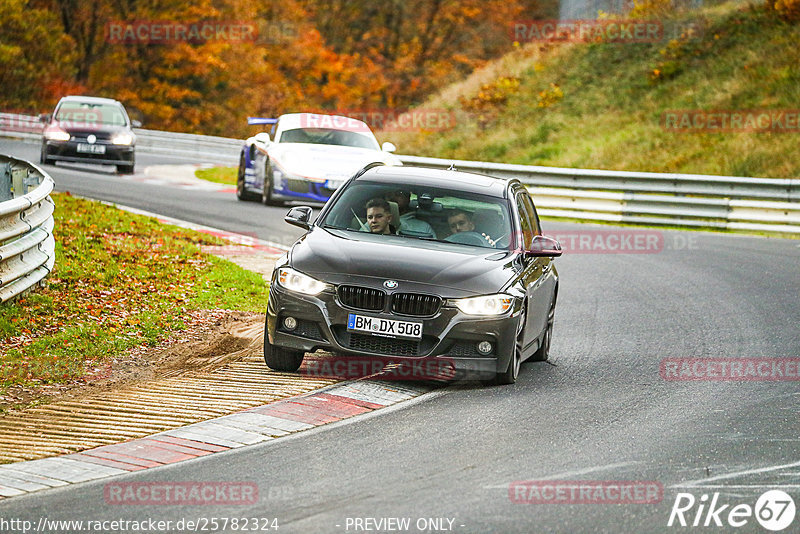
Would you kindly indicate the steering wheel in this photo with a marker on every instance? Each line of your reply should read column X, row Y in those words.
column 468, row 238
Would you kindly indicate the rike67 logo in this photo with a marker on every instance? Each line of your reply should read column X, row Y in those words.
column 774, row 510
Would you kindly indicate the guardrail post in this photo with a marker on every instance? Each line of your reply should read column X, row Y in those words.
column 18, row 181
column 5, row 182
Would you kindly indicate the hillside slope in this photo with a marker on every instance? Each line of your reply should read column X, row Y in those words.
column 602, row 105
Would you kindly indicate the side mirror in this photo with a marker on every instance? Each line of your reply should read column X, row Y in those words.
column 136, row 124
column 299, row 216
column 262, row 138
column 543, row 246
column 44, row 117
column 388, row 147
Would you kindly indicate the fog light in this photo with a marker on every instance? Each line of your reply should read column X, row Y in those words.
column 484, row 347
column 290, row 323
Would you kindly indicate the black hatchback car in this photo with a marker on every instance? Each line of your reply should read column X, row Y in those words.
column 477, row 287
column 89, row 129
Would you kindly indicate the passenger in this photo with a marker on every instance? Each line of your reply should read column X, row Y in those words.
column 408, row 223
column 379, row 217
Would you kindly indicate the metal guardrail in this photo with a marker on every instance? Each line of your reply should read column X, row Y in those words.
column 27, row 246
column 688, row 200
column 684, row 200
column 220, row 149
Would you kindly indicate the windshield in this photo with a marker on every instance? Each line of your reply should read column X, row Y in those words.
column 90, row 114
column 328, row 136
column 441, row 214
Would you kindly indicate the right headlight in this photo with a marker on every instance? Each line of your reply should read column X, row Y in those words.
column 56, row 134
column 299, row 282
column 485, row 305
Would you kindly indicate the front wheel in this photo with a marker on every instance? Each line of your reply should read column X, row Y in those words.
column 280, row 359
column 509, row 376
column 266, row 191
column 125, row 169
column 43, row 156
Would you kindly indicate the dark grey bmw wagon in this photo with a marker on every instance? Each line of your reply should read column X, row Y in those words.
column 410, row 263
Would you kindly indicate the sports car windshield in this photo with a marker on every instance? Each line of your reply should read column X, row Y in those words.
column 447, row 215
column 328, row 136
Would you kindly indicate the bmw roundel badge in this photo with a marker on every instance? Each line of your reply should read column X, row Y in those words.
column 390, row 284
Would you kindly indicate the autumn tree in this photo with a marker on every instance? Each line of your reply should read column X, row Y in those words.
column 36, row 64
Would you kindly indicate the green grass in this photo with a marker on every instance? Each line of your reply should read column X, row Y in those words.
column 219, row 175
column 611, row 114
column 120, row 280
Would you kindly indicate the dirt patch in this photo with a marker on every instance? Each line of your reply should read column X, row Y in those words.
column 212, row 338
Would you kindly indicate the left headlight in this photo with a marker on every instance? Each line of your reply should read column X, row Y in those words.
column 122, row 139
column 486, row 305
column 299, row 282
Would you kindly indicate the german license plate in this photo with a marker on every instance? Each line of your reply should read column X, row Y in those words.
column 91, row 149
column 384, row 327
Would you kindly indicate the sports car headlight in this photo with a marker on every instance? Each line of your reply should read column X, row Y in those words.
column 299, row 282
column 485, row 305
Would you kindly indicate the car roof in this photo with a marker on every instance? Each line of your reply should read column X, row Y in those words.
column 89, row 99
column 427, row 177
column 337, row 122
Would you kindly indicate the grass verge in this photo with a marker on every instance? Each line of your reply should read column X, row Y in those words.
column 120, row 280
column 219, row 175
column 603, row 105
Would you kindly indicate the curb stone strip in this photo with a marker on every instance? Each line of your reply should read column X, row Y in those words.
column 248, row 427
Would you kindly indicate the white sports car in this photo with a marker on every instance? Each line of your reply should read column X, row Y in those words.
column 306, row 157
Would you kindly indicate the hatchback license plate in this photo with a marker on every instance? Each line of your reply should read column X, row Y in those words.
column 384, row 327
column 91, row 149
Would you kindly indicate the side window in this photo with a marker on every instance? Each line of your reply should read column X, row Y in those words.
column 525, row 220
column 526, row 199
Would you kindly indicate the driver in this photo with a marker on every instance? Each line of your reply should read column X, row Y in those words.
column 461, row 221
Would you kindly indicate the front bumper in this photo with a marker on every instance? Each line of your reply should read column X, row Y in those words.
column 450, row 335
column 68, row 151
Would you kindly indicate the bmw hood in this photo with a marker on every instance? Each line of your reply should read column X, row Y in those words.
column 446, row 269
column 326, row 162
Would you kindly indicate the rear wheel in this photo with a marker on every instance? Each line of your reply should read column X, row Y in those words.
column 280, row 359
column 241, row 192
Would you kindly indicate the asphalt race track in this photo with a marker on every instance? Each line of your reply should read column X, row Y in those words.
column 600, row 410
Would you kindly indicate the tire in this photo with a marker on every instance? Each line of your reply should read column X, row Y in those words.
column 241, row 192
column 125, row 169
column 510, row 375
column 543, row 352
column 43, row 159
column 266, row 193
column 280, row 359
